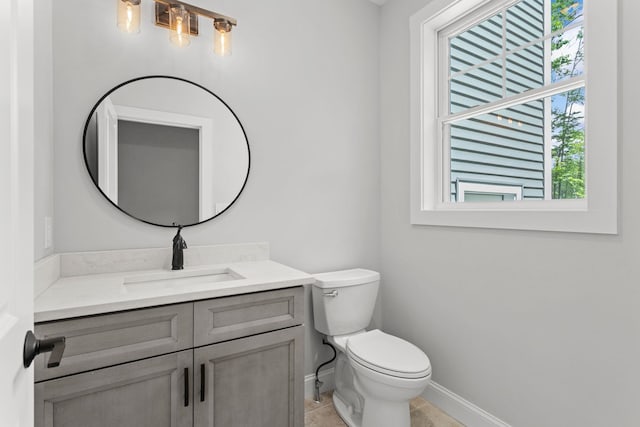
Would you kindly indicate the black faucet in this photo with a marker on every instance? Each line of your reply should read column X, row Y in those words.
column 177, row 263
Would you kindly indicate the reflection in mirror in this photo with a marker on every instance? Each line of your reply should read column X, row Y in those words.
column 165, row 151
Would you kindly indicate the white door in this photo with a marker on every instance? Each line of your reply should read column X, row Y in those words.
column 16, row 209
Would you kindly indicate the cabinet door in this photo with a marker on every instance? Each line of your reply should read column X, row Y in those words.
column 147, row 393
column 251, row 382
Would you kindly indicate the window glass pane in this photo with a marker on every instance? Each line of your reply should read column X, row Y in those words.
column 568, row 144
column 524, row 145
column 479, row 86
column 567, row 48
column 525, row 69
column 567, row 55
column 476, row 45
column 525, row 23
column 565, row 13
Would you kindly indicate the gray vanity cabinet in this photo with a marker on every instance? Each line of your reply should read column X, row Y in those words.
column 224, row 362
column 251, row 382
column 146, row 393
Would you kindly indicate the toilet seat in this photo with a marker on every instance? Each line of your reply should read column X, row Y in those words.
column 388, row 355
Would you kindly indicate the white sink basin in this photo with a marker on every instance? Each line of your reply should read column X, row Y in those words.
column 183, row 277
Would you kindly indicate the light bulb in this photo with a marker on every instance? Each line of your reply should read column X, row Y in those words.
column 129, row 16
column 180, row 24
column 179, row 30
column 222, row 43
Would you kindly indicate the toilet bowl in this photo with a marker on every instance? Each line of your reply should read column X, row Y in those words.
column 389, row 372
column 376, row 374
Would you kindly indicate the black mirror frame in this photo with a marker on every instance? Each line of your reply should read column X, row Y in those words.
column 94, row 180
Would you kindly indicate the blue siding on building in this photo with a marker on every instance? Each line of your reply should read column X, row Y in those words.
column 506, row 147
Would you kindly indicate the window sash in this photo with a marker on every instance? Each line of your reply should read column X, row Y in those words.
column 543, row 93
column 471, row 20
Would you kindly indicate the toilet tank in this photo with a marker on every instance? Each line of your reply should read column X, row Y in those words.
column 343, row 301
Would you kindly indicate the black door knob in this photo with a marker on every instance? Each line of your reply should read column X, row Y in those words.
column 34, row 346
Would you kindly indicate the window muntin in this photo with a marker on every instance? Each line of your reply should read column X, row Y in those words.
column 530, row 48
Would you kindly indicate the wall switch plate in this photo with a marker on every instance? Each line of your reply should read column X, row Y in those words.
column 48, row 232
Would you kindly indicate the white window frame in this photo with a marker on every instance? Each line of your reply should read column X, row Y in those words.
column 464, row 187
column 597, row 213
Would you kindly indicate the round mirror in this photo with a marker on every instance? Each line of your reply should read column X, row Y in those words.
column 166, row 151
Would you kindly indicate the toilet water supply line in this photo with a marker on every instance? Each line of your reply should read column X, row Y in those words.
column 318, row 383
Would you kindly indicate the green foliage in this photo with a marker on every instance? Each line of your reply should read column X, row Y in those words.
column 567, row 121
column 568, row 155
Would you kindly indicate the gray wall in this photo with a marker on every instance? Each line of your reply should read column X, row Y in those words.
column 305, row 91
column 158, row 172
column 540, row 329
column 43, row 119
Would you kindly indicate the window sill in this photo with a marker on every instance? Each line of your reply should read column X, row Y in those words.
column 571, row 216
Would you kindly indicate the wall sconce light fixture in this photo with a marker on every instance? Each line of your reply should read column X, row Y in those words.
column 180, row 25
column 181, row 19
column 222, row 37
column 129, row 16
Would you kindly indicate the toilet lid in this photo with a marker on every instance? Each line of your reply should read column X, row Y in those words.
column 339, row 279
column 389, row 355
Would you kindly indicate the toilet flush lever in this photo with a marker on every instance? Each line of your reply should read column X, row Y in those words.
column 332, row 294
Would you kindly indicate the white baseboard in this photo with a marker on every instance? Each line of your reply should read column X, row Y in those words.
column 459, row 408
column 454, row 405
column 326, row 376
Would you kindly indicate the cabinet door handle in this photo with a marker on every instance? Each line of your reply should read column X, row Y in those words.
column 202, row 382
column 186, row 386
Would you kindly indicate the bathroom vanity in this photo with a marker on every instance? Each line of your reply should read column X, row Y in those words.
column 218, row 344
column 146, row 343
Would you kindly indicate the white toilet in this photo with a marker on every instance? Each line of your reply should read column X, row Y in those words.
column 376, row 374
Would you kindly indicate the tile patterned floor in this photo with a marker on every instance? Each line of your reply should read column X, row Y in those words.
column 423, row 414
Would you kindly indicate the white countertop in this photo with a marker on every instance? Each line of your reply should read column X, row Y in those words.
column 91, row 294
